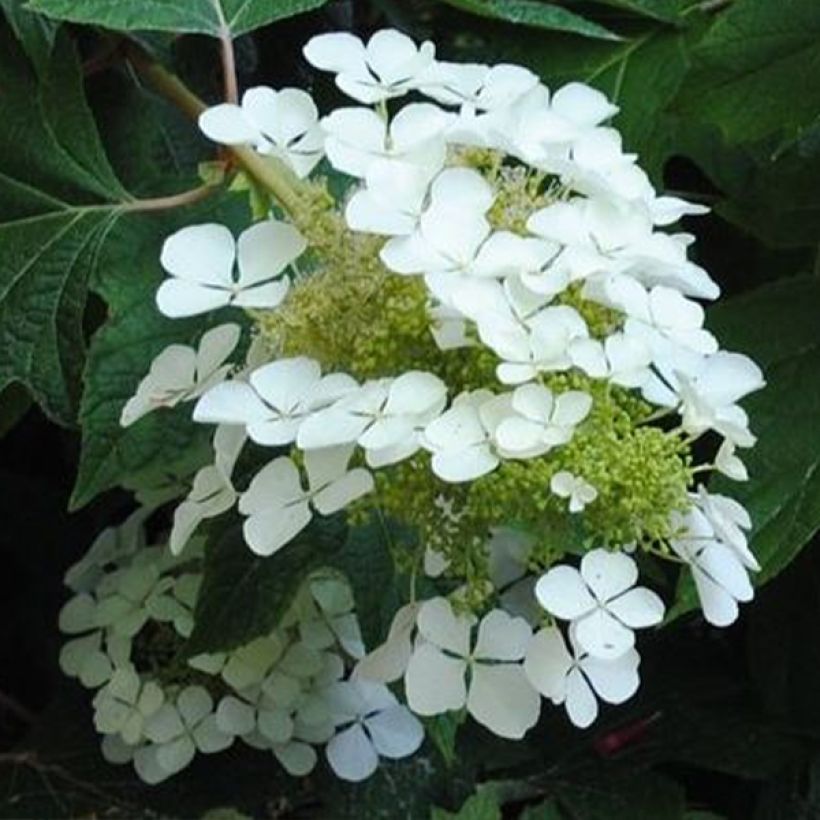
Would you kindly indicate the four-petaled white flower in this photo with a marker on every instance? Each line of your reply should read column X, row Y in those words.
column 177, row 731
column 279, row 507
column 575, row 679
column 498, row 695
column 283, row 123
column 370, row 723
column 385, row 417
column 541, row 420
column 180, row 373
column 276, row 400
column 576, row 488
column 390, row 65
column 125, row 704
column 200, row 260
column 601, row 601
column 718, row 568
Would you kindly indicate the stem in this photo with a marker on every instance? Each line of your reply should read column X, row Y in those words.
column 269, row 172
column 164, row 203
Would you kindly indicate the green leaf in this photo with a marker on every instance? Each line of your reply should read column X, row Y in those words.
column 749, row 69
column 35, row 33
column 244, row 596
column 192, row 17
column 544, row 811
column 535, row 15
column 481, row 806
column 367, row 561
column 59, row 198
column 666, row 11
column 645, row 795
column 777, row 326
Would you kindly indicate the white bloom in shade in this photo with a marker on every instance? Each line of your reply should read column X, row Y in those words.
column 601, row 601
column 575, row 679
column 279, row 507
column 276, row 401
column 544, row 129
column 499, row 696
column 283, row 123
column 729, row 519
column 459, row 439
column 390, row 65
column 358, row 137
column 213, row 492
column 254, row 711
column 383, row 416
column 388, row 662
column 124, row 705
column 331, row 618
column 393, row 199
column 370, row 723
column 124, row 608
column 177, row 732
column 180, row 373
column 579, row 491
column 542, row 420
column 541, row 344
column 200, row 260
column 710, row 394
column 720, row 576
column 729, row 464
column 451, row 230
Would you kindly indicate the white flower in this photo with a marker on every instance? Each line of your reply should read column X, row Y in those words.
column 279, row 507
column 451, row 229
column 180, row 373
column 622, row 359
column 283, row 123
column 123, row 606
column 579, row 491
column 332, row 619
column 459, row 439
column 388, row 661
column 601, row 601
column 709, row 395
column 729, row 519
column 718, row 570
column 254, row 711
column 499, row 696
column 542, row 420
column 124, row 705
column 200, row 260
column 177, row 732
column 383, row 416
column 389, row 66
column 357, row 138
column 212, row 492
column 370, row 723
column 541, row 344
column 246, row 665
column 276, row 401
column 576, row 679
column 393, row 198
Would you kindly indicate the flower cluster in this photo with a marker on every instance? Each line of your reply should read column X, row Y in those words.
column 495, row 328
column 287, row 692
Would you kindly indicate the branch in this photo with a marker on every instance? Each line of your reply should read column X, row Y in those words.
column 164, row 203
column 269, row 172
column 229, row 66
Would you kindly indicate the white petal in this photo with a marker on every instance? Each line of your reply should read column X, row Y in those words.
column 343, row 491
column 266, row 249
column 438, row 623
column 227, row 124
column 263, row 297
column 464, row 465
column 547, row 664
column 232, row 402
column 284, row 383
column 297, row 759
column 580, row 703
column 351, row 754
column 330, row 428
column 603, row 636
column 434, row 682
column 338, row 51
column 719, row 607
column 563, row 592
column 501, row 637
column 608, row 573
column 177, row 298
column 582, row 104
column 615, row 681
column 234, row 716
column 571, row 408
column 277, row 483
column 637, row 608
column 415, row 392
column 202, row 254
column 395, row 732
column 267, row 532
column 502, row 699
column 173, row 757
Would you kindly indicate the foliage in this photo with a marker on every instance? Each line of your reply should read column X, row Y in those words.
column 716, row 98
